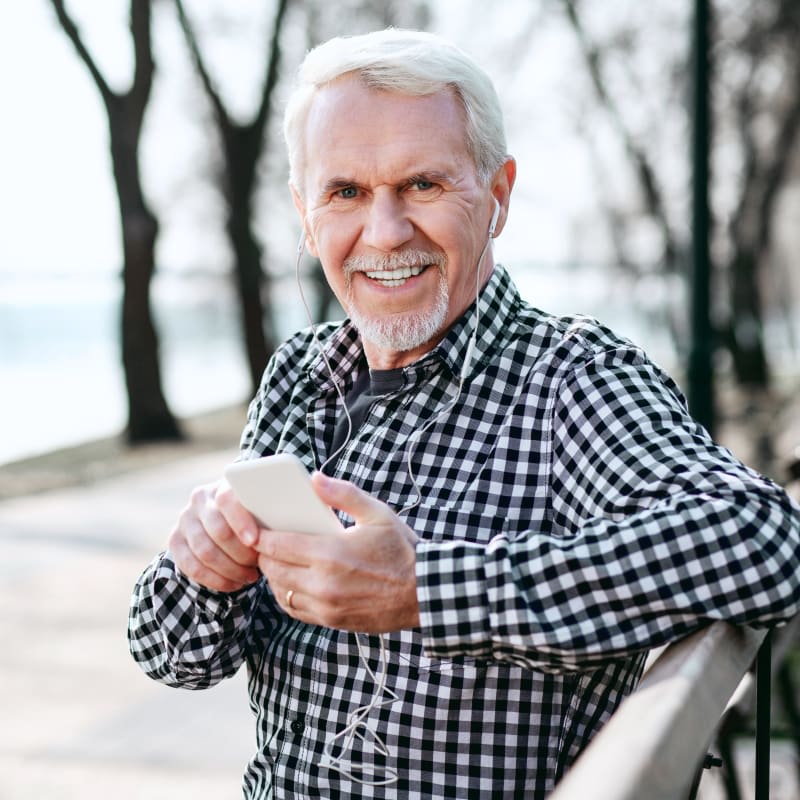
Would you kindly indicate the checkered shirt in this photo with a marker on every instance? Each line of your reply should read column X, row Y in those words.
column 572, row 517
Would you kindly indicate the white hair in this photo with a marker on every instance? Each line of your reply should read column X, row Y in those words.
column 408, row 62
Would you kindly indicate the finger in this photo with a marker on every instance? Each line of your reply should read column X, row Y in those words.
column 212, row 543
column 290, row 547
column 290, row 600
column 244, row 525
column 215, row 523
column 347, row 497
column 295, row 606
column 283, row 580
column 206, row 550
column 365, row 509
column 194, row 569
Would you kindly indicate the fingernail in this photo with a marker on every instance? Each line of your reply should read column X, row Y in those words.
column 249, row 537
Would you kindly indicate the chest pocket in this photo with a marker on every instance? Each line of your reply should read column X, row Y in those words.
column 441, row 524
column 502, row 497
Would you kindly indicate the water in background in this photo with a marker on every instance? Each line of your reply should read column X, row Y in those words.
column 61, row 381
column 60, row 368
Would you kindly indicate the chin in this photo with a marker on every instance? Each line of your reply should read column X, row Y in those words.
column 399, row 333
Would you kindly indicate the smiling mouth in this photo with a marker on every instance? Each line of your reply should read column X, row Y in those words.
column 395, row 277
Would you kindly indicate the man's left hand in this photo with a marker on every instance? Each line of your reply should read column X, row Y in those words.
column 362, row 579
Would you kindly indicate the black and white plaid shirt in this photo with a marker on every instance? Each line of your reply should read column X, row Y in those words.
column 572, row 516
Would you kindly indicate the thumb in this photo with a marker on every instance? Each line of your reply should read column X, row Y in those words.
column 347, row 497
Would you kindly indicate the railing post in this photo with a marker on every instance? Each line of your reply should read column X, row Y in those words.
column 700, row 367
column 763, row 709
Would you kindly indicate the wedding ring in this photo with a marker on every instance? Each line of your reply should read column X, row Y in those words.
column 289, row 596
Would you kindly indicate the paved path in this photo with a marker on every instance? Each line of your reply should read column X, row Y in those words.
column 79, row 720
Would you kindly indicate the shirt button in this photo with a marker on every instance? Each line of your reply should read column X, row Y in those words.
column 298, row 725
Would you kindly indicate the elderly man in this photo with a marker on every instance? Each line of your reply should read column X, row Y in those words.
column 528, row 505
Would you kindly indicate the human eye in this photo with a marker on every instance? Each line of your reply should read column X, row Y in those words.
column 347, row 193
column 421, row 184
column 428, row 184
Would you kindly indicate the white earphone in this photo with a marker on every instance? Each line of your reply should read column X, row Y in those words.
column 471, row 345
column 495, row 217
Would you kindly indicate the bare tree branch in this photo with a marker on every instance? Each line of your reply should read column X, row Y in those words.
column 645, row 174
column 776, row 172
column 242, row 147
column 271, row 71
column 71, row 29
column 144, row 64
column 220, row 112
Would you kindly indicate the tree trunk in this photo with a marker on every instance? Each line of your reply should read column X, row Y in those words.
column 252, row 284
column 149, row 416
column 242, row 147
column 745, row 338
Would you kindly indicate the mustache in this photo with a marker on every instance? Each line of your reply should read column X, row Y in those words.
column 390, row 261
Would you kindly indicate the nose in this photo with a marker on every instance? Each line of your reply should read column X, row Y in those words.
column 387, row 225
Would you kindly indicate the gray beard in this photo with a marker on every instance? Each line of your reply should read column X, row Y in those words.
column 398, row 332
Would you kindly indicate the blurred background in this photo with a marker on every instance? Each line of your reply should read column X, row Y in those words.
column 143, row 169
column 148, row 236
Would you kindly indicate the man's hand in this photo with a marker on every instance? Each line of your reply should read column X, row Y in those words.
column 362, row 579
column 208, row 543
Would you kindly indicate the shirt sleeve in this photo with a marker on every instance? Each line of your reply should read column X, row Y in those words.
column 655, row 531
column 184, row 635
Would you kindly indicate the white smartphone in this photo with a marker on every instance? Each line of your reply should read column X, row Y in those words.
column 277, row 491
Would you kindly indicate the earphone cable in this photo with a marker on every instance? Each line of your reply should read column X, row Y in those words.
column 315, row 335
column 356, row 727
column 415, row 438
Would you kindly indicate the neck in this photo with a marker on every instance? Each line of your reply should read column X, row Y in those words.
column 384, row 358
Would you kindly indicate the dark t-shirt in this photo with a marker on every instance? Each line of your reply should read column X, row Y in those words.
column 369, row 386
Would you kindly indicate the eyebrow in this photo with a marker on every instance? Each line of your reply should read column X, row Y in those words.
column 334, row 184
column 432, row 175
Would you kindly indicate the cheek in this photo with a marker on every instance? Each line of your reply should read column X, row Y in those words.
column 332, row 238
column 333, row 244
column 334, row 276
column 462, row 293
column 463, row 283
column 311, row 245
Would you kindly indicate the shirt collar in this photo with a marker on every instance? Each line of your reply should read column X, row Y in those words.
column 499, row 301
column 498, row 305
column 341, row 346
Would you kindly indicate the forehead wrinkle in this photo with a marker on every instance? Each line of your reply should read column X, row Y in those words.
column 348, row 99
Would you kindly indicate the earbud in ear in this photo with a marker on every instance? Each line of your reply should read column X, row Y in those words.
column 495, row 217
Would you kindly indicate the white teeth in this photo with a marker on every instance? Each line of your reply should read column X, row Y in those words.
column 395, row 277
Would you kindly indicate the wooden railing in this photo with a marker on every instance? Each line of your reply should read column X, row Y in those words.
column 655, row 742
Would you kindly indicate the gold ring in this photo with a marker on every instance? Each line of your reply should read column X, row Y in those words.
column 289, row 596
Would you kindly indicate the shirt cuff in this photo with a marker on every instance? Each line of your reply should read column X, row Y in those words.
column 174, row 589
column 453, row 597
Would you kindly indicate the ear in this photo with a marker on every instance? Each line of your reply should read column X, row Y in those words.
column 501, row 185
column 301, row 210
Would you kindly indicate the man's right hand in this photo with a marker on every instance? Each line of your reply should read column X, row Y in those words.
column 211, row 544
